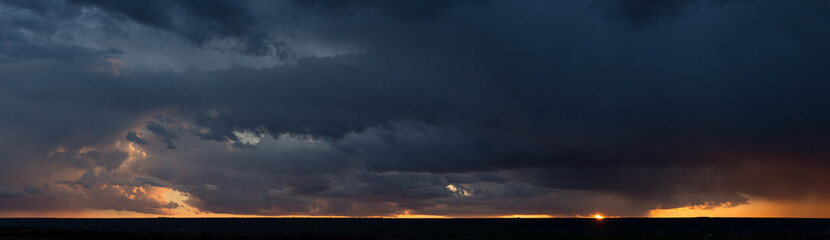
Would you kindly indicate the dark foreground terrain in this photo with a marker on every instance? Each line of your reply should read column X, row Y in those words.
column 369, row 228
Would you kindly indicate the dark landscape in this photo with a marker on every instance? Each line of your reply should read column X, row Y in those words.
column 378, row 228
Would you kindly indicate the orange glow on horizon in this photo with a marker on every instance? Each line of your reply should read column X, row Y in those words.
column 810, row 208
column 97, row 213
column 408, row 214
column 527, row 216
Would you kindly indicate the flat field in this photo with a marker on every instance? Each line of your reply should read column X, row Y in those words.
column 375, row 228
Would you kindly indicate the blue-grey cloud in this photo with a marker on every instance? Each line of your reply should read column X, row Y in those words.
column 451, row 108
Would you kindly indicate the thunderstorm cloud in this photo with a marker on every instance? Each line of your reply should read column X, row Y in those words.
column 443, row 108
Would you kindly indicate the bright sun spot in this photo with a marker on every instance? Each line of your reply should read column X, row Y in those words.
column 598, row 217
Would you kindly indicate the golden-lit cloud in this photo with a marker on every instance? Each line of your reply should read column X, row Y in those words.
column 408, row 214
column 459, row 190
column 802, row 208
column 527, row 216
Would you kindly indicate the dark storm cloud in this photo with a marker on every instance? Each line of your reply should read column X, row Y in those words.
column 27, row 29
column 166, row 136
column 159, row 130
column 200, row 22
column 406, row 10
column 9, row 193
column 638, row 14
column 108, row 159
column 133, row 137
column 518, row 107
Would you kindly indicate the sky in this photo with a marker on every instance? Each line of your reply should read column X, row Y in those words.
column 466, row 108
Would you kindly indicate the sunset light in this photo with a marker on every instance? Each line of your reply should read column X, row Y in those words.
column 484, row 113
column 178, row 113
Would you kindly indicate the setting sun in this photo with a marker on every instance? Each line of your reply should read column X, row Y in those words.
column 598, row 217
